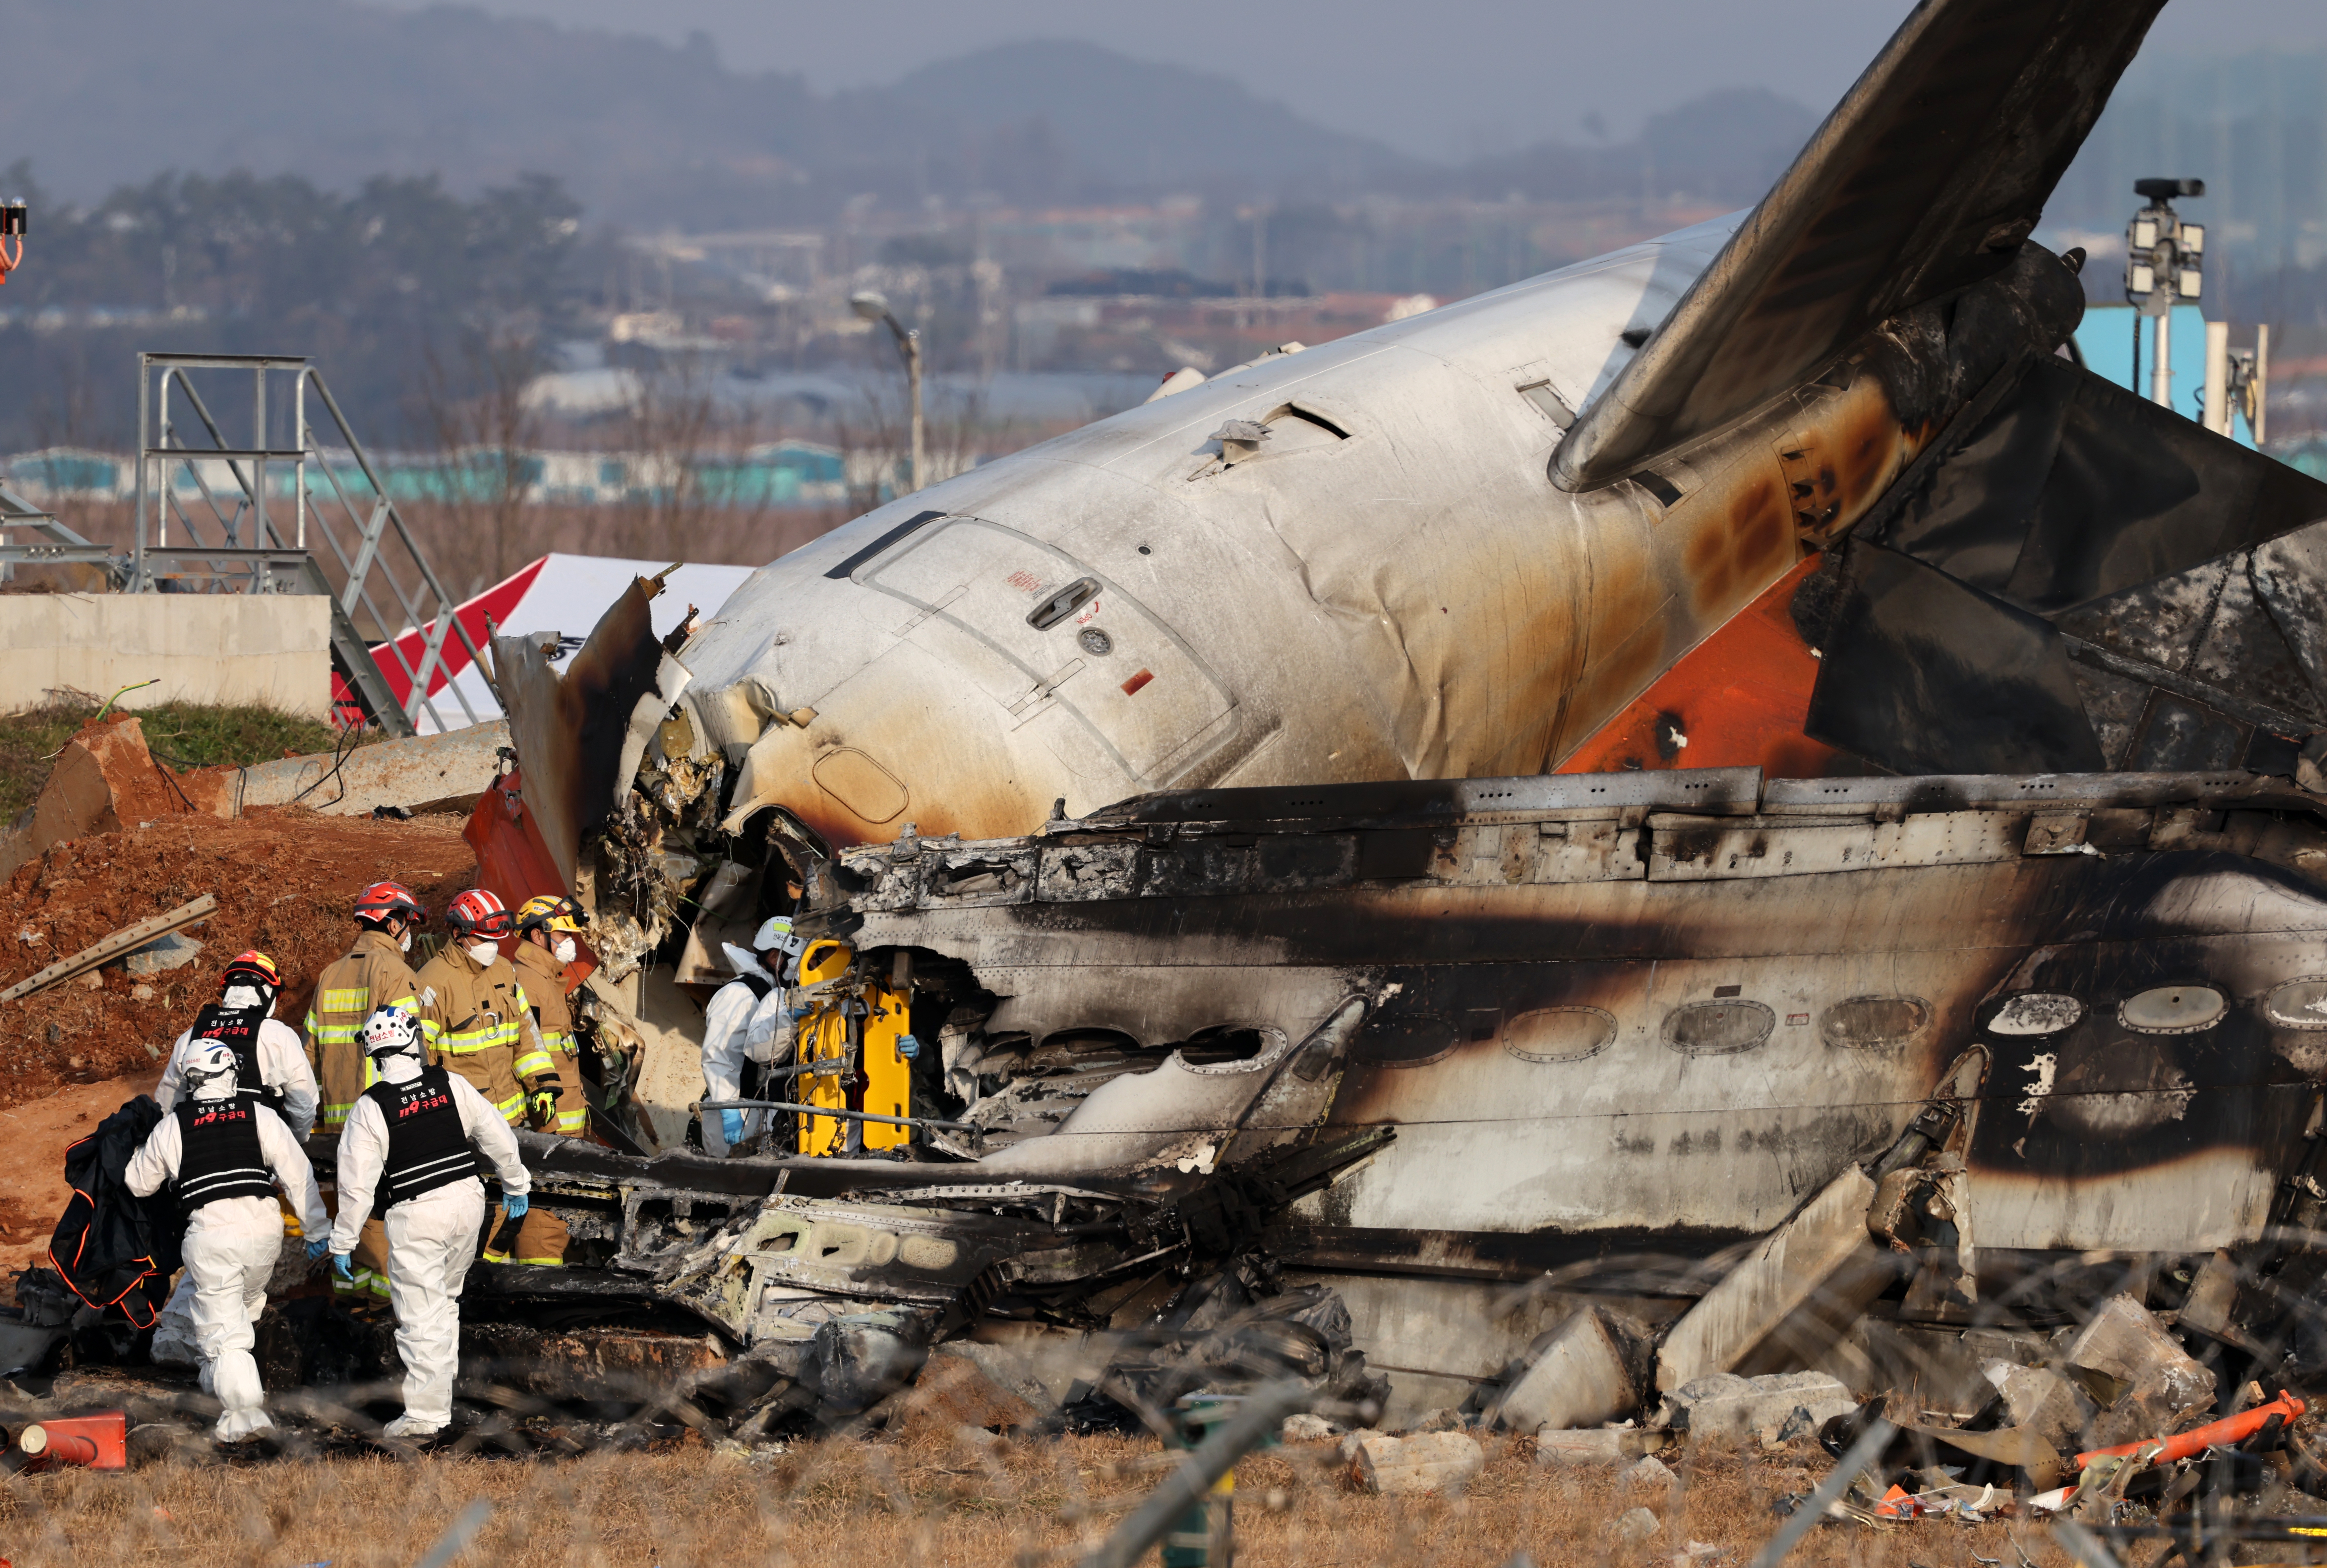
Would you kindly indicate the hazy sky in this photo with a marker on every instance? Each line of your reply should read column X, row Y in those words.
column 1444, row 78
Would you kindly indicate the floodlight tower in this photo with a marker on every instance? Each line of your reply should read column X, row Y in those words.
column 2164, row 260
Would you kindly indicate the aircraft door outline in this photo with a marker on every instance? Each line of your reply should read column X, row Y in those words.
column 1144, row 695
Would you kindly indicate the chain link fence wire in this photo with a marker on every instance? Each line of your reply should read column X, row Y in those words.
column 952, row 1469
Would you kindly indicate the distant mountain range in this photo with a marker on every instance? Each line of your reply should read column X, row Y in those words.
column 100, row 92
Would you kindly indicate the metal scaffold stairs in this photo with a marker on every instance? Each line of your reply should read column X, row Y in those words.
column 230, row 516
column 17, row 513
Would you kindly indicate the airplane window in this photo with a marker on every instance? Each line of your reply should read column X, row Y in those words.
column 861, row 784
column 2036, row 1012
column 1718, row 1027
column 1227, row 1042
column 1560, row 1033
column 1874, row 1021
column 975, row 875
column 2299, row 1004
column 1091, row 1042
column 2172, row 1009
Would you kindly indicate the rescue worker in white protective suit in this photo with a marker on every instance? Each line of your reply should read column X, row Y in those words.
column 270, row 1066
column 748, row 1019
column 412, row 1140
column 226, row 1152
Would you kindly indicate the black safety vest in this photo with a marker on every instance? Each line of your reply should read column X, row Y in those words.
column 427, row 1146
column 219, row 1156
column 236, row 1028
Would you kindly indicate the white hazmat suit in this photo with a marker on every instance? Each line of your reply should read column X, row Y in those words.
column 282, row 1065
column 230, row 1247
column 739, row 1026
column 431, row 1238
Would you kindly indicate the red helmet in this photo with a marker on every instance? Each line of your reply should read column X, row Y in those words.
column 389, row 900
column 479, row 911
column 251, row 968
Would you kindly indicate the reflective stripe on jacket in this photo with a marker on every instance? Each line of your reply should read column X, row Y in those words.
column 544, row 978
column 476, row 1022
column 373, row 975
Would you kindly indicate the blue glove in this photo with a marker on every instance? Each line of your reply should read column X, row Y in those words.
column 908, row 1047
column 342, row 1270
column 514, row 1207
column 730, row 1122
column 317, row 1246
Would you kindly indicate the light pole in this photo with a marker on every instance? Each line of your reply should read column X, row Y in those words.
column 874, row 307
column 2164, row 260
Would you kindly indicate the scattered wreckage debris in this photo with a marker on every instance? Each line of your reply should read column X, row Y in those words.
column 1383, row 963
column 121, row 943
column 1427, row 1463
column 1856, row 1056
column 1227, row 1203
column 1565, row 1097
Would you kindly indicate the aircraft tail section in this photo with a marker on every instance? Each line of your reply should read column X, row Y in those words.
column 1926, row 178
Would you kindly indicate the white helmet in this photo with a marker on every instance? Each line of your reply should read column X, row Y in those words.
column 210, row 1069
column 776, row 932
column 391, row 1031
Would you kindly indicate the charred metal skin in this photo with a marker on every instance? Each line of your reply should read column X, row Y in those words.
column 1601, row 1015
column 2016, row 1007
column 1586, row 996
column 1154, row 1008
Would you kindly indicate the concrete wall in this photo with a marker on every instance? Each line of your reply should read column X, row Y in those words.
column 273, row 649
column 445, row 771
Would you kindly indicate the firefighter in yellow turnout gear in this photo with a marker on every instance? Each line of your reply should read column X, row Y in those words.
column 472, row 1008
column 374, row 973
column 547, row 932
column 479, row 1026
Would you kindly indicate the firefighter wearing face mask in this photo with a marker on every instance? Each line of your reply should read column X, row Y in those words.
column 473, row 1007
column 373, row 975
column 547, row 932
column 479, row 1025
column 270, row 1069
column 746, row 1022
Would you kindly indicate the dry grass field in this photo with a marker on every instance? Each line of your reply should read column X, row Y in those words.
column 939, row 1497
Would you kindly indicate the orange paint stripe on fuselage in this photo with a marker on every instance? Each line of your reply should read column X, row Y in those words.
column 1738, row 699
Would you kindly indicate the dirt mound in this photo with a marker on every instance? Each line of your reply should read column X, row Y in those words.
column 283, row 880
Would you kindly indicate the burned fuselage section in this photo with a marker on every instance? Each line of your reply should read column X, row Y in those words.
column 1713, row 1063
column 1414, row 1043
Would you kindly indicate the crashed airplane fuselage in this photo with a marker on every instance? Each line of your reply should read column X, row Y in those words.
column 1379, row 579
column 1809, row 493
column 1533, row 1027
column 1609, row 1003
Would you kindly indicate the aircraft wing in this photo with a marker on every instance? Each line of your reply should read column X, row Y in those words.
column 1926, row 178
